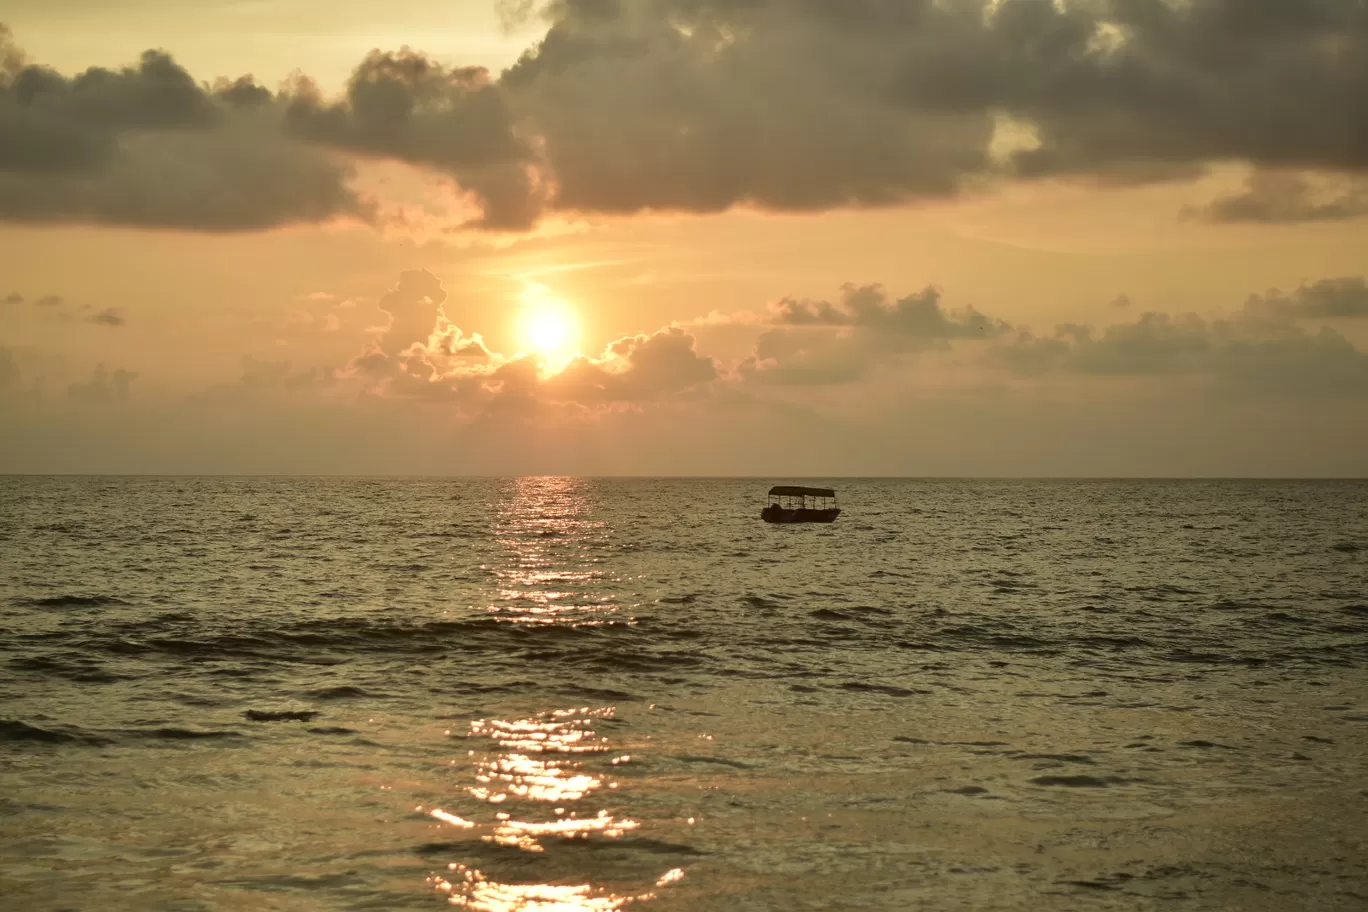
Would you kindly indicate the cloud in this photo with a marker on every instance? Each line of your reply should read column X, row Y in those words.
column 1276, row 198
column 110, row 316
column 413, row 307
column 236, row 178
column 1153, row 88
column 635, row 369
column 407, row 107
column 422, row 355
column 917, row 316
column 681, row 104
column 419, row 346
column 819, row 342
column 1257, row 350
column 1246, row 353
column 1328, row 299
column 703, row 105
column 146, row 145
column 104, row 387
column 1255, row 391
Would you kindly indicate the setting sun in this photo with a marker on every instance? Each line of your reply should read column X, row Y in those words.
column 549, row 329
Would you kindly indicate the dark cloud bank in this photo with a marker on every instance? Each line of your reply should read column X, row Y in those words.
column 700, row 105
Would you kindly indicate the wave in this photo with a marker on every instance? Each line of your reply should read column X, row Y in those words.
column 341, row 692
column 659, row 640
column 16, row 732
column 181, row 734
column 68, row 601
column 284, row 715
column 79, row 668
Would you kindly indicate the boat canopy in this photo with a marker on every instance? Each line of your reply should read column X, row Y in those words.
column 789, row 491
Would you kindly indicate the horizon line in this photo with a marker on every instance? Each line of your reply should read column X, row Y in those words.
column 681, row 477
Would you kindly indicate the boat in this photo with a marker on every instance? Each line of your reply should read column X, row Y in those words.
column 789, row 504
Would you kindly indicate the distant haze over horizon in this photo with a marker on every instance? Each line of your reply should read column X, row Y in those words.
column 779, row 239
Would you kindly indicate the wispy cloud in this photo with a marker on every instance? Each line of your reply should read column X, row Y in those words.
column 110, row 316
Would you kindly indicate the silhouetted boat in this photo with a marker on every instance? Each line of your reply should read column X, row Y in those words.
column 788, row 504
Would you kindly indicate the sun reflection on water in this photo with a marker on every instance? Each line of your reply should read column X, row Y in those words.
column 470, row 889
column 545, row 781
column 553, row 569
column 540, row 764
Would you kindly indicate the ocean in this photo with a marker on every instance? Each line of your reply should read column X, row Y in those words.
column 587, row 695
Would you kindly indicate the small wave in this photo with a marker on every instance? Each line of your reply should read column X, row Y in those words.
column 981, row 637
column 284, row 715
column 1075, row 781
column 1190, row 657
column 341, row 692
column 481, row 689
column 861, row 615
column 1111, row 642
column 332, row 730
column 887, row 690
column 69, row 601
column 181, row 734
column 1058, row 758
column 11, row 808
column 81, row 669
column 1233, row 605
column 1347, row 547
column 595, row 693
column 314, row 641
column 616, row 660
column 16, row 732
column 1206, row 745
column 1283, row 617
column 1160, row 592
column 715, row 761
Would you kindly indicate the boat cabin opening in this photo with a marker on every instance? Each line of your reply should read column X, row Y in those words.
column 789, row 503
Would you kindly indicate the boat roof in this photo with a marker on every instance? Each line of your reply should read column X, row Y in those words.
column 791, row 491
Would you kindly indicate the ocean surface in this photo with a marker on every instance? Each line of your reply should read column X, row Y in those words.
column 579, row 695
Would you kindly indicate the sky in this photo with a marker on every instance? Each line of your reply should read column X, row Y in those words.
column 779, row 238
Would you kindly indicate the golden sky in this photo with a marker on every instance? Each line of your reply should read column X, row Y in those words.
column 768, row 237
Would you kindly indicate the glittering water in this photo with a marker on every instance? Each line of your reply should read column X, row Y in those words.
column 529, row 695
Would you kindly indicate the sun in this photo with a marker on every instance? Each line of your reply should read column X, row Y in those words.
column 549, row 329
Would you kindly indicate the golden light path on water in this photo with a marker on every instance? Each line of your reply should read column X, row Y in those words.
column 552, row 571
column 535, row 760
column 535, row 766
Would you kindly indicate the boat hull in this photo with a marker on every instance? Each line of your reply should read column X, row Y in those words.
column 777, row 514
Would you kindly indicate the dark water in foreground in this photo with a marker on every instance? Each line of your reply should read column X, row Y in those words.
column 568, row 695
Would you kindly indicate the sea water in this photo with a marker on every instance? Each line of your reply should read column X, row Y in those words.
column 580, row 695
